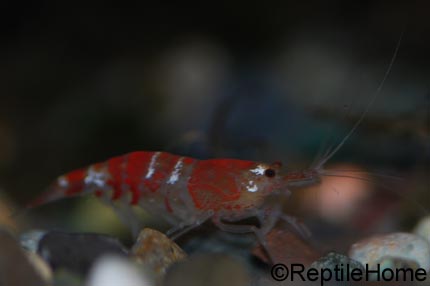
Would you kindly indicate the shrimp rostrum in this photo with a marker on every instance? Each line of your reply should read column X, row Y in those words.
column 187, row 192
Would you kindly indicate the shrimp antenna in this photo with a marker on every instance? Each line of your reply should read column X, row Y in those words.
column 366, row 110
column 382, row 185
column 373, row 174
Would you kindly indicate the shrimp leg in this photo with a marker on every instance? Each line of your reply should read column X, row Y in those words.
column 270, row 216
column 183, row 228
column 239, row 229
column 298, row 226
column 272, row 213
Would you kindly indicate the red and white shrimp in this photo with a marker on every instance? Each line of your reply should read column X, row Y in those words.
column 185, row 191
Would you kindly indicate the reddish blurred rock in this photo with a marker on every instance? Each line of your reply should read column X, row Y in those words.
column 286, row 247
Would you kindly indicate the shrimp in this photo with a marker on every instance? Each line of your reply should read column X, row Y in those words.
column 186, row 192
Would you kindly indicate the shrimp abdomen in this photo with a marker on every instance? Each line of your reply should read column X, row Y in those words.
column 68, row 185
column 135, row 174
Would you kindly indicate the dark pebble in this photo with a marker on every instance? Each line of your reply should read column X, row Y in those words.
column 333, row 259
column 77, row 252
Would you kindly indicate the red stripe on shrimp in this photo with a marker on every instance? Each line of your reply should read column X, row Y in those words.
column 117, row 167
column 74, row 181
column 137, row 167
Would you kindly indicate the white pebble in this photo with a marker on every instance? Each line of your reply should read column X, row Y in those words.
column 116, row 271
column 423, row 228
column 400, row 245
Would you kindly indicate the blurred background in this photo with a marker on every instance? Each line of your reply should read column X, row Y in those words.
column 267, row 81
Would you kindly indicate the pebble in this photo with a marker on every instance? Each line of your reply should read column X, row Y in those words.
column 41, row 267
column 155, row 252
column 392, row 263
column 399, row 246
column 208, row 269
column 113, row 270
column 423, row 228
column 333, row 259
column 15, row 268
column 30, row 240
column 77, row 252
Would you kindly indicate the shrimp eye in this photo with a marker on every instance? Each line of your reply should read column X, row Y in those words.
column 269, row 173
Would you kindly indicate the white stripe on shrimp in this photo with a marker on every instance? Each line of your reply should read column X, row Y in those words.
column 151, row 169
column 96, row 178
column 259, row 170
column 176, row 171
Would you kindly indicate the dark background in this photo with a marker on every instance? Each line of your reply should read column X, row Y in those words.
column 84, row 81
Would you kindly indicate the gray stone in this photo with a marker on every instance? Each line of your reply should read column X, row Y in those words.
column 77, row 252
column 30, row 240
column 333, row 259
